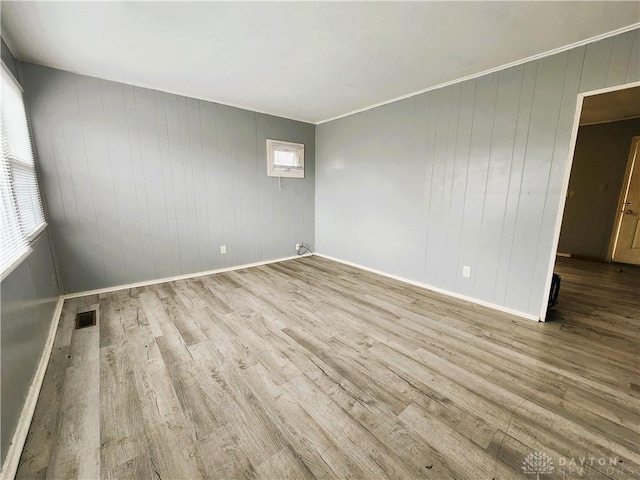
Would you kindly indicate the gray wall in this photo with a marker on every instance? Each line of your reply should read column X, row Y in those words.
column 8, row 60
column 469, row 174
column 597, row 174
column 28, row 298
column 142, row 184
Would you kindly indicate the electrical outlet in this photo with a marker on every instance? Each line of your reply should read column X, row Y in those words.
column 466, row 271
column 297, row 247
column 223, row 249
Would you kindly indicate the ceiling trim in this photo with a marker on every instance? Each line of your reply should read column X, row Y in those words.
column 634, row 26
column 539, row 56
column 171, row 92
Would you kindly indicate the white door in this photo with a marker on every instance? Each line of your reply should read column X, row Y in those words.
column 627, row 244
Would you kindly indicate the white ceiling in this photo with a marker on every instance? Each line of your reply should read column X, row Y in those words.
column 304, row 60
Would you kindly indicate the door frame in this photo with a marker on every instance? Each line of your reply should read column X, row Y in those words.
column 623, row 195
column 565, row 185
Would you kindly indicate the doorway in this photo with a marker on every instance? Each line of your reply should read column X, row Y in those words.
column 592, row 224
column 626, row 239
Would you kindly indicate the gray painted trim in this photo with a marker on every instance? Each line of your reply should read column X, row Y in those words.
column 9, row 60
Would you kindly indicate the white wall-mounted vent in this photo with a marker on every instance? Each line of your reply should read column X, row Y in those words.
column 285, row 159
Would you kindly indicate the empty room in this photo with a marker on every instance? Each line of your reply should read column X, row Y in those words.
column 295, row 240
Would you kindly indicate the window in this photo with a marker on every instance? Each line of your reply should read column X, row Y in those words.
column 285, row 159
column 21, row 213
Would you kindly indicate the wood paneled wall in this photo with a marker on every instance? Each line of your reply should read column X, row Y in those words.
column 142, row 184
column 470, row 174
column 29, row 297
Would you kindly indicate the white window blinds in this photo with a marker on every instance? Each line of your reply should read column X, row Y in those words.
column 285, row 159
column 21, row 208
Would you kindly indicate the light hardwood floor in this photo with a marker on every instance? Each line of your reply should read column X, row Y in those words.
column 310, row 368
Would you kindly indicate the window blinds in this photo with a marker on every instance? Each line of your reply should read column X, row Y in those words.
column 21, row 208
column 13, row 243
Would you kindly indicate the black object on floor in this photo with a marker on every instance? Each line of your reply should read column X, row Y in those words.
column 555, row 290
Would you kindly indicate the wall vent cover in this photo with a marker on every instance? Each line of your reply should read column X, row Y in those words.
column 85, row 319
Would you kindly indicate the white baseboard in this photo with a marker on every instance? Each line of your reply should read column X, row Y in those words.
column 493, row 306
column 12, row 459
column 10, row 466
column 20, row 436
column 180, row 277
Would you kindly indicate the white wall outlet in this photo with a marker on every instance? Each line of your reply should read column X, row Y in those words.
column 466, row 271
column 297, row 247
column 223, row 249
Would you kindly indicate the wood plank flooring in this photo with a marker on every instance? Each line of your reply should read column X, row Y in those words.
column 313, row 369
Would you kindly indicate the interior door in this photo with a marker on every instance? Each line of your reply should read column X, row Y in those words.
column 627, row 244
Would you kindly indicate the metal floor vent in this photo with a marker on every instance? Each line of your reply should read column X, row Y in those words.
column 85, row 319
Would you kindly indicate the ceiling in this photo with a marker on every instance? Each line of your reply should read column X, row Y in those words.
column 610, row 107
column 310, row 61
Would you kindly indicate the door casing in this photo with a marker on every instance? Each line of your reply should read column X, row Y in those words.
column 565, row 186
